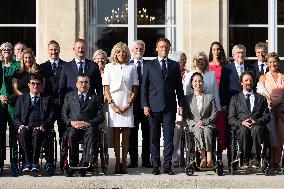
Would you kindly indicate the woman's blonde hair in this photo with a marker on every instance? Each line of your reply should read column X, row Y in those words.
column 120, row 47
column 204, row 55
column 272, row 55
column 34, row 68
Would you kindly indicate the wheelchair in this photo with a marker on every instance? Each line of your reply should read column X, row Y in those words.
column 235, row 154
column 101, row 147
column 190, row 157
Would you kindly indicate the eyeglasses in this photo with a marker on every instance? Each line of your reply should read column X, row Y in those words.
column 83, row 82
column 35, row 84
column 6, row 49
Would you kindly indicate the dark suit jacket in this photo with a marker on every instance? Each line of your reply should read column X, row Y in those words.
column 230, row 82
column 89, row 112
column 256, row 70
column 68, row 76
column 160, row 93
column 51, row 78
column 238, row 110
column 21, row 111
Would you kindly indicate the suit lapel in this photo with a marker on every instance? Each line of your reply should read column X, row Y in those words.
column 87, row 66
column 76, row 98
column 170, row 65
column 27, row 103
column 158, row 67
column 256, row 99
column 74, row 67
column 86, row 102
column 243, row 102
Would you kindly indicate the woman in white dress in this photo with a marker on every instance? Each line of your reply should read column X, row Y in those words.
column 120, row 82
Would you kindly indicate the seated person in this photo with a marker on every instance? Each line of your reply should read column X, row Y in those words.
column 33, row 118
column 200, row 114
column 82, row 114
column 249, row 114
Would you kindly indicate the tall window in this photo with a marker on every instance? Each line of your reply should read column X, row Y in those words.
column 108, row 23
column 18, row 22
column 253, row 21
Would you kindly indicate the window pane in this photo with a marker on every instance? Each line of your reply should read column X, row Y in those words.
column 18, row 12
column 248, row 11
column 154, row 9
column 108, row 37
column 249, row 37
column 282, row 66
column 280, row 41
column 280, row 12
column 150, row 36
column 14, row 35
column 111, row 12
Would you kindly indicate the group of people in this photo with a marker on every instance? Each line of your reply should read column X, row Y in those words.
column 209, row 94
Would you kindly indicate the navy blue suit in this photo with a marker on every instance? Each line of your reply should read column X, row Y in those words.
column 257, row 72
column 69, row 74
column 159, row 93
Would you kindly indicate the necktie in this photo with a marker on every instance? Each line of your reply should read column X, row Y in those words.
column 81, row 99
column 241, row 69
column 262, row 69
column 81, row 67
column 248, row 101
column 34, row 100
column 164, row 68
column 53, row 66
column 139, row 70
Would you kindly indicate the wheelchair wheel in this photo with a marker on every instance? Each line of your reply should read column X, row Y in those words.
column 189, row 170
column 266, row 169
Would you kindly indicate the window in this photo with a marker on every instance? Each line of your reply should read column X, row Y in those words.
column 18, row 22
column 108, row 23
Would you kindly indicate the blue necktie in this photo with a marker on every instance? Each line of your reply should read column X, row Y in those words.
column 248, row 101
column 53, row 66
column 81, row 99
column 81, row 68
column 164, row 68
column 34, row 100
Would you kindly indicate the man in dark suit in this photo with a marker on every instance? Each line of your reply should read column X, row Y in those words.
column 33, row 118
column 161, row 83
column 82, row 114
column 230, row 75
column 260, row 65
column 80, row 65
column 249, row 114
column 51, row 70
column 138, row 49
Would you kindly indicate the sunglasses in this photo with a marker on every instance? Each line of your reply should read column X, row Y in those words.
column 35, row 84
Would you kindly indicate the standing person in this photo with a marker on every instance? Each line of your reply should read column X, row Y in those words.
column 80, row 65
column 181, row 58
column 161, row 82
column 33, row 118
column 137, row 50
column 217, row 59
column 7, row 103
column 100, row 57
column 120, row 85
column 18, row 49
column 260, row 66
column 272, row 84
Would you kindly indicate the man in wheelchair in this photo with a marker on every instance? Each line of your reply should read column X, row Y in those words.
column 33, row 118
column 82, row 113
column 249, row 115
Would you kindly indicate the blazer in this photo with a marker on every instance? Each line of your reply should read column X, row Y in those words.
column 230, row 82
column 256, row 71
column 208, row 113
column 51, row 78
column 160, row 93
column 69, row 73
column 238, row 110
column 21, row 111
column 89, row 112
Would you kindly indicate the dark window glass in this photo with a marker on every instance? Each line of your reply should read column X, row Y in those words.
column 282, row 66
column 248, row 11
column 280, row 12
column 150, row 36
column 108, row 37
column 249, row 37
column 18, row 12
column 151, row 9
column 280, row 41
column 14, row 35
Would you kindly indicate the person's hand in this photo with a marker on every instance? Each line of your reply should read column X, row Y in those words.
column 75, row 124
column 115, row 108
column 180, row 111
column 41, row 128
column 84, row 125
column 4, row 99
column 147, row 111
column 200, row 124
column 247, row 123
column 125, row 108
column 22, row 127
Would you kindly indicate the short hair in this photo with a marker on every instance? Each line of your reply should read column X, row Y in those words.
column 248, row 72
column 201, row 53
column 239, row 46
column 138, row 42
column 53, row 42
column 120, row 47
column 98, row 52
column 82, row 75
column 272, row 55
column 176, row 55
column 35, row 76
column 81, row 41
column 222, row 58
column 164, row 40
column 20, row 43
column 261, row 45
column 6, row 45
column 193, row 75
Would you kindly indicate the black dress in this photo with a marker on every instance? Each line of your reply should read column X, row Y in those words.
column 23, row 80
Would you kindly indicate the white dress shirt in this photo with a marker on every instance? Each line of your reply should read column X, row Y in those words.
column 160, row 61
column 199, row 102
column 141, row 64
column 78, row 64
column 240, row 68
column 251, row 99
column 259, row 66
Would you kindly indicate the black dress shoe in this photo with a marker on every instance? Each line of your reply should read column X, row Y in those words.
column 156, row 171
column 147, row 165
column 132, row 165
column 168, row 171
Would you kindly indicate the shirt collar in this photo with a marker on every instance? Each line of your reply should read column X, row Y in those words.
column 135, row 61
column 32, row 96
column 259, row 63
column 246, row 92
column 160, row 59
column 78, row 61
column 84, row 93
column 54, row 61
column 238, row 64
